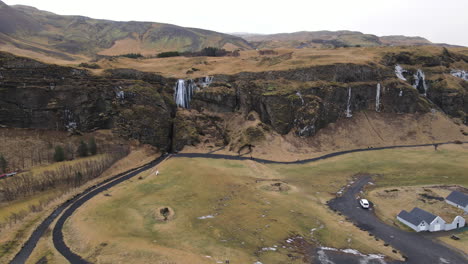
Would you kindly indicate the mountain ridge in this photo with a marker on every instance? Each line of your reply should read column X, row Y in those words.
column 80, row 35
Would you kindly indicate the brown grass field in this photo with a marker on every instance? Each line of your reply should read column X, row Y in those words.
column 122, row 227
column 248, row 61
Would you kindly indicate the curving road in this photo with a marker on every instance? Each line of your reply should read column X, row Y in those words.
column 31, row 243
column 73, row 204
column 415, row 246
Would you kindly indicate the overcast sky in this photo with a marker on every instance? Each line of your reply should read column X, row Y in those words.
column 437, row 20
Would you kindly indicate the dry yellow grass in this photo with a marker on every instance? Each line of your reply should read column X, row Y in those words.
column 21, row 231
column 365, row 129
column 251, row 61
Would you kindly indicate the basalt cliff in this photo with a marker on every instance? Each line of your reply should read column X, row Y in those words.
column 170, row 113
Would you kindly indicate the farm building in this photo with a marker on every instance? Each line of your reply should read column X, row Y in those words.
column 458, row 199
column 420, row 220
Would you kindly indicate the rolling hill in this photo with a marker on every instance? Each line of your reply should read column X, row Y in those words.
column 65, row 37
column 333, row 39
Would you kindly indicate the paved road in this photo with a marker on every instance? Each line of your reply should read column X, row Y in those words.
column 75, row 202
column 418, row 248
column 79, row 200
column 327, row 156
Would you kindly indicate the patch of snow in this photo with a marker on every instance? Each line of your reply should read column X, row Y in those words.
column 268, row 249
column 205, row 217
column 355, row 252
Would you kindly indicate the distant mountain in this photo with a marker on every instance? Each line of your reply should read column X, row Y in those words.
column 28, row 28
column 344, row 38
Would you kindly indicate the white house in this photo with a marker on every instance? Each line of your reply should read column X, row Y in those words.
column 458, row 199
column 420, row 220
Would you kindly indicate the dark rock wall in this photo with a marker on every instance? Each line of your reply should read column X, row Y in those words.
column 141, row 106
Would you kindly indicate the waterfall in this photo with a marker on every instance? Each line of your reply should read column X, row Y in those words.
column 300, row 96
column 401, row 93
column 420, row 82
column 183, row 92
column 119, row 93
column 348, row 105
column 206, row 81
column 69, row 119
column 399, row 72
column 377, row 99
column 460, row 74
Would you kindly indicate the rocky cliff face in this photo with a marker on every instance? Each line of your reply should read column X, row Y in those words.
column 37, row 95
column 300, row 101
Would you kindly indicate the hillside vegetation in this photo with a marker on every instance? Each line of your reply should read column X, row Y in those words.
column 64, row 37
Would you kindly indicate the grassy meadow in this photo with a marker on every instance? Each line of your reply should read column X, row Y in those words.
column 249, row 218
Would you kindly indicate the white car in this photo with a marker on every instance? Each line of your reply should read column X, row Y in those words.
column 364, row 203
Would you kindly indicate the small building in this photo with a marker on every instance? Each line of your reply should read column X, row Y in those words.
column 420, row 220
column 458, row 199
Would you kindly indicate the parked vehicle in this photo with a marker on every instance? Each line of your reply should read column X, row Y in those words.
column 364, row 203
column 6, row 175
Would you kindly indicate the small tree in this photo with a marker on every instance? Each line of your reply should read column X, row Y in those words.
column 3, row 163
column 92, row 146
column 78, row 179
column 82, row 149
column 59, row 154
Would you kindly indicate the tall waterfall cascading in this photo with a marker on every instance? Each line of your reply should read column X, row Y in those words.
column 377, row 99
column 460, row 74
column 420, row 82
column 348, row 105
column 300, row 96
column 183, row 92
column 399, row 72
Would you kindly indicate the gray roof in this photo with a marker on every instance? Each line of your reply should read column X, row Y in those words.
column 424, row 215
column 416, row 216
column 458, row 198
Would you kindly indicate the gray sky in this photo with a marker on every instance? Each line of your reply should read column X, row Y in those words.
column 437, row 20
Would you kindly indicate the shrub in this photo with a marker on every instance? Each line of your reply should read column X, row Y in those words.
column 89, row 65
column 132, row 55
column 82, row 149
column 59, row 154
column 168, row 54
column 92, row 146
column 3, row 164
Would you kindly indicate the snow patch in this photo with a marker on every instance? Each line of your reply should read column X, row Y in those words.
column 206, row 217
